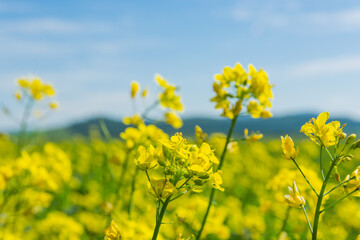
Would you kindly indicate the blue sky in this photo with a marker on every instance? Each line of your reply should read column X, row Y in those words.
column 91, row 50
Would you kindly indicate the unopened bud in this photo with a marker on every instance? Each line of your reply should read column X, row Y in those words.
column 337, row 176
column 168, row 171
column 347, row 159
column 198, row 182
column 161, row 162
column 342, row 136
column 350, row 139
column 355, row 145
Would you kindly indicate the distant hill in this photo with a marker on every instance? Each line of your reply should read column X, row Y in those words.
column 272, row 127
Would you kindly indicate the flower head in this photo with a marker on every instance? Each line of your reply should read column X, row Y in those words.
column 112, row 232
column 168, row 97
column 235, row 85
column 294, row 199
column 288, row 148
column 134, row 88
column 161, row 188
column 173, row 119
column 322, row 133
column 253, row 137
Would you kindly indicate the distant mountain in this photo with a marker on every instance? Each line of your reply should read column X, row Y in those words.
column 272, row 127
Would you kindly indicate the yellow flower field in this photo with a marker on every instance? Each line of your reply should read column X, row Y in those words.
column 145, row 184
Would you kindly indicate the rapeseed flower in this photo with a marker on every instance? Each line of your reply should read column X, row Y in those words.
column 112, row 232
column 134, row 88
column 161, row 188
column 288, row 148
column 236, row 89
column 294, row 199
column 322, row 133
column 173, row 119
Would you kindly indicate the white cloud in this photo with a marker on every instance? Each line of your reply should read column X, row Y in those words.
column 52, row 25
column 349, row 19
column 281, row 14
column 327, row 66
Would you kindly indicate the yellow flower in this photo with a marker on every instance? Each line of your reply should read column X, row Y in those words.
column 48, row 90
column 161, row 188
column 134, row 88
column 354, row 183
column 260, row 86
column 23, row 83
column 288, row 148
column 201, row 161
column 146, row 160
column 320, row 132
column 216, row 180
column 168, row 98
column 54, row 105
column 18, row 95
column 36, row 88
column 236, row 74
column 200, row 135
column 112, row 232
column 134, row 120
column 294, row 199
column 145, row 93
column 253, row 137
column 173, row 120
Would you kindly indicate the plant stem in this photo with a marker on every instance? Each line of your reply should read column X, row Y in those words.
column 307, row 218
column 105, row 130
column 285, row 220
column 305, row 177
column 133, row 187
column 23, row 124
column 339, row 200
column 212, row 194
column 159, row 219
column 321, row 163
column 320, row 198
column 338, row 185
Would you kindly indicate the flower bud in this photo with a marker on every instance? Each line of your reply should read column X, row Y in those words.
column 355, row 145
column 342, row 136
column 199, row 182
column 350, row 139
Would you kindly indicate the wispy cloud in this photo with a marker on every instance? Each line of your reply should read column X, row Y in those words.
column 53, row 26
column 327, row 66
column 289, row 15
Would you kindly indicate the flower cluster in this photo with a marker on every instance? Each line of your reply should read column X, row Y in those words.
column 235, row 89
column 294, row 199
column 34, row 88
column 168, row 99
column 325, row 135
column 322, row 133
column 181, row 163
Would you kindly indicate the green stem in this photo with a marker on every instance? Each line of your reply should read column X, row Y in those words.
column 23, row 124
column 159, row 219
column 133, row 187
column 287, row 214
column 212, row 194
column 305, row 177
column 105, row 130
column 327, row 150
column 320, row 198
column 337, row 201
column 338, row 185
column 307, row 218
column 321, row 163
column 148, row 109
